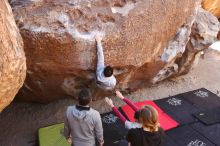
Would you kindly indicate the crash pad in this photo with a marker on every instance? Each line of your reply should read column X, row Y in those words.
column 209, row 117
column 165, row 120
column 187, row 136
column 52, row 136
column 167, row 141
column 178, row 108
column 202, row 99
column 211, row 132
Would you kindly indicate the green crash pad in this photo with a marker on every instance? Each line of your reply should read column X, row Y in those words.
column 52, row 136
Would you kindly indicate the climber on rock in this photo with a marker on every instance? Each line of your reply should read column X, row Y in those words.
column 104, row 74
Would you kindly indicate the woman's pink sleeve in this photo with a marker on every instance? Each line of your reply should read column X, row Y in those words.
column 131, row 104
column 119, row 115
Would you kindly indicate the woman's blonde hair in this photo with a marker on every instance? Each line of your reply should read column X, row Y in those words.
column 149, row 118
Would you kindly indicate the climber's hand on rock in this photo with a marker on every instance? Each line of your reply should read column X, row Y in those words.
column 109, row 101
column 98, row 38
column 119, row 95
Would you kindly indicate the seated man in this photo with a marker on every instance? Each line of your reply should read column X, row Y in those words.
column 104, row 74
column 82, row 124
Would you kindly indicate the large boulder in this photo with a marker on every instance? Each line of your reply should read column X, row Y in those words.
column 60, row 48
column 212, row 6
column 12, row 58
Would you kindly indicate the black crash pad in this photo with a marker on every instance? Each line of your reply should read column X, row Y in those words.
column 209, row 117
column 187, row 136
column 211, row 132
column 168, row 141
column 114, row 129
column 202, row 98
column 178, row 108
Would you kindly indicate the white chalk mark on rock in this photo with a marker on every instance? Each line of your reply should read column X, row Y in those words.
column 69, row 86
column 123, row 10
column 64, row 19
column 68, row 27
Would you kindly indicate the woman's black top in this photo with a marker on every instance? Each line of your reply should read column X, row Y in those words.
column 139, row 137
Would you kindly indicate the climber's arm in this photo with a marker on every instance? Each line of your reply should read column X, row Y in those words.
column 100, row 55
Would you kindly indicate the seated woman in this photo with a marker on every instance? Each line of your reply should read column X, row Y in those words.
column 150, row 134
column 128, row 124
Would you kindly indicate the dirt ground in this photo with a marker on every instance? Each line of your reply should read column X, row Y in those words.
column 20, row 121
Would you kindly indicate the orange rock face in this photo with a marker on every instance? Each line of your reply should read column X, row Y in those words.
column 212, row 6
column 12, row 58
column 60, row 47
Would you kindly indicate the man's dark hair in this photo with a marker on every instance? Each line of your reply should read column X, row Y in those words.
column 84, row 97
column 137, row 115
column 108, row 71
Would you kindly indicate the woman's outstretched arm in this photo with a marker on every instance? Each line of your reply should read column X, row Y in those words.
column 115, row 110
column 126, row 100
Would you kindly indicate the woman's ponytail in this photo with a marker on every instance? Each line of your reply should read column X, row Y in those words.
column 149, row 118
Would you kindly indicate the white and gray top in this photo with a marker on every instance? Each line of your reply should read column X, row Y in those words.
column 132, row 125
column 107, row 83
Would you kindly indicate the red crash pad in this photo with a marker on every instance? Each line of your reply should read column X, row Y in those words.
column 165, row 120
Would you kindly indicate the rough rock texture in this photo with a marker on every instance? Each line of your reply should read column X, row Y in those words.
column 204, row 33
column 60, row 47
column 12, row 58
column 212, row 6
column 185, row 48
column 218, row 35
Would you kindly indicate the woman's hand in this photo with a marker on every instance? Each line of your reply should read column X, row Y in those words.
column 109, row 101
column 119, row 95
